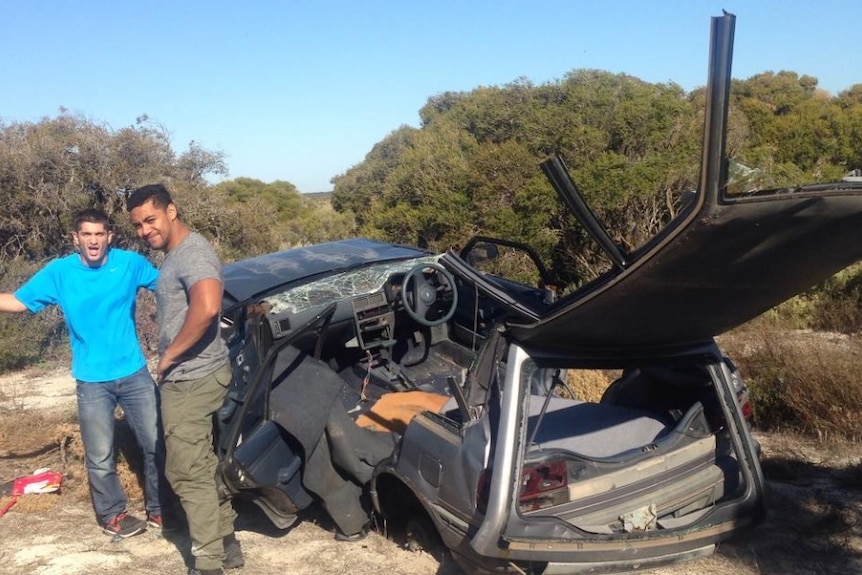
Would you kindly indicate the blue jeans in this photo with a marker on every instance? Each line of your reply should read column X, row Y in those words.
column 138, row 396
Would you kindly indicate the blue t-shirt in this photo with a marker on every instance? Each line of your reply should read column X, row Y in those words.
column 99, row 307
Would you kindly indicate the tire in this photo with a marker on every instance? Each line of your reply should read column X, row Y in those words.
column 420, row 534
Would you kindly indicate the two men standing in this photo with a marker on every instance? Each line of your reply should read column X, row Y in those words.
column 96, row 288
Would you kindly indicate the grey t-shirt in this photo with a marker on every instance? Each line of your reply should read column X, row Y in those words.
column 188, row 263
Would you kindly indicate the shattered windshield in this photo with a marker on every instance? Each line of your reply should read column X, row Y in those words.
column 342, row 286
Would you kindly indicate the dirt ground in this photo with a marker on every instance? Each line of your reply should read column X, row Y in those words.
column 814, row 524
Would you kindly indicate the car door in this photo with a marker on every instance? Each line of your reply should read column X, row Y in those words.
column 260, row 460
column 514, row 269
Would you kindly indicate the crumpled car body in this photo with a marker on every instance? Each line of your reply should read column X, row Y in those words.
column 433, row 394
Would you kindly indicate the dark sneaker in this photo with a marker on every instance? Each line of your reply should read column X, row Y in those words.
column 124, row 525
column 154, row 521
column 233, row 558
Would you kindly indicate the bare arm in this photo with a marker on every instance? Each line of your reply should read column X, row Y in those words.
column 204, row 307
column 8, row 302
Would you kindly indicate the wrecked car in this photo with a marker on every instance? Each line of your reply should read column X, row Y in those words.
column 432, row 393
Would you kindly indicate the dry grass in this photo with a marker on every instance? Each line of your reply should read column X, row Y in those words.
column 32, row 440
column 589, row 384
column 802, row 381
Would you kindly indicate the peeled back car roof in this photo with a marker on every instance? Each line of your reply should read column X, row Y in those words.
column 254, row 276
column 726, row 264
column 720, row 264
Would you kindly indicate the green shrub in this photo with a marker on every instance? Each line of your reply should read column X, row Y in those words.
column 838, row 305
column 27, row 339
column 833, row 306
column 795, row 313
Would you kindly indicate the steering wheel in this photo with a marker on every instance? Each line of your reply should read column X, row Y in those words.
column 423, row 294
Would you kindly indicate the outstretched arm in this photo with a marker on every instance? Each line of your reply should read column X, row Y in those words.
column 8, row 302
column 204, row 306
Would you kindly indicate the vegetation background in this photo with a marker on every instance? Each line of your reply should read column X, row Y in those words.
column 472, row 167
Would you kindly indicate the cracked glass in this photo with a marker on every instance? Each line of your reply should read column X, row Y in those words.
column 341, row 286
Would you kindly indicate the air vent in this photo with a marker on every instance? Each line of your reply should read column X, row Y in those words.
column 283, row 325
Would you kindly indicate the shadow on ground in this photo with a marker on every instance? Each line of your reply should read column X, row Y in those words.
column 814, row 521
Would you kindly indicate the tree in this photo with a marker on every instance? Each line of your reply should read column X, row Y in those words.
column 633, row 148
column 249, row 217
column 197, row 162
column 353, row 191
column 423, row 200
column 53, row 167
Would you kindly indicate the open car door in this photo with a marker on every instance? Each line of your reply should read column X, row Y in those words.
column 260, row 459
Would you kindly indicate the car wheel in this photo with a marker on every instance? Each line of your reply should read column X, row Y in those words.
column 421, row 535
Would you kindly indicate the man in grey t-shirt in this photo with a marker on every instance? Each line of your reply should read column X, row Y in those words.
column 190, row 262
column 193, row 373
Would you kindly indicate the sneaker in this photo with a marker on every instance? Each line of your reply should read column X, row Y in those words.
column 124, row 525
column 154, row 521
column 233, row 558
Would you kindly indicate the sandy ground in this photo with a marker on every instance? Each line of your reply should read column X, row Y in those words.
column 814, row 526
column 65, row 540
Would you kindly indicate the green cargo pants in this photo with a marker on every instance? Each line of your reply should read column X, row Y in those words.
column 190, row 467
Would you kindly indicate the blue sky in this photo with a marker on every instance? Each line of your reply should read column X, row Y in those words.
column 301, row 90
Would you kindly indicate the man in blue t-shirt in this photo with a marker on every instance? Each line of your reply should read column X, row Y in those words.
column 96, row 288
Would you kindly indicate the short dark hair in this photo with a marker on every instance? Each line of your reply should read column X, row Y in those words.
column 158, row 193
column 90, row 215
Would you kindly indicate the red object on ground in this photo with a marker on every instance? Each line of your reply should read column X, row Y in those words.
column 43, row 481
